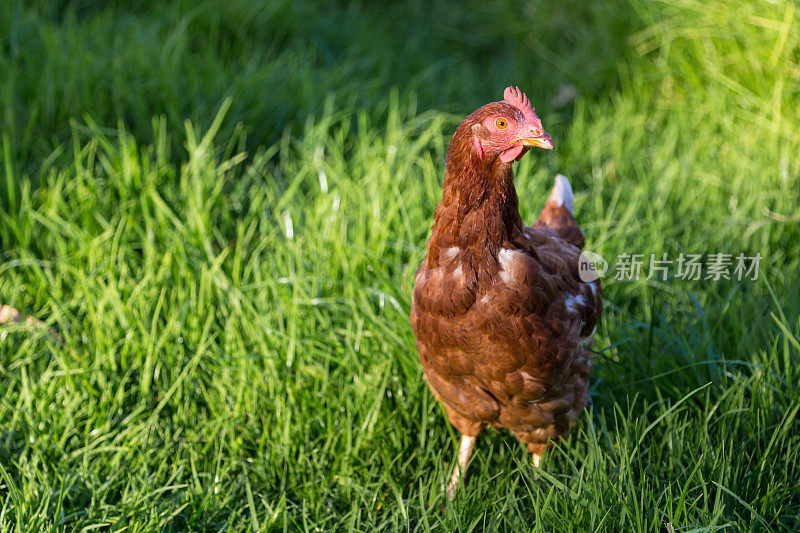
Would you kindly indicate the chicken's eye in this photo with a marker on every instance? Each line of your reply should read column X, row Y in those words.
column 501, row 123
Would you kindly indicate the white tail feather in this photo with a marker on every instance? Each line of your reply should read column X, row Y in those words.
column 562, row 194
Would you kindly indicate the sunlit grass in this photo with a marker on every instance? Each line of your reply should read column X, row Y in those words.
column 232, row 290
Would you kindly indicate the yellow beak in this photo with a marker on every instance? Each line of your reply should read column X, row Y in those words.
column 542, row 141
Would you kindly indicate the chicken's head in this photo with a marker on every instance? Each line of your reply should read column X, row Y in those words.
column 509, row 128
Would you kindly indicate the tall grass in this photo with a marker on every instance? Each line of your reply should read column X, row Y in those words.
column 220, row 208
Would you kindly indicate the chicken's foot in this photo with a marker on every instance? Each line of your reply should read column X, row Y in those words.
column 460, row 470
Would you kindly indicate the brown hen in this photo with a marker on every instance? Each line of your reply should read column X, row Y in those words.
column 502, row 318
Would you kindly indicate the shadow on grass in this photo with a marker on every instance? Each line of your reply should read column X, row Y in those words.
column 279, row 61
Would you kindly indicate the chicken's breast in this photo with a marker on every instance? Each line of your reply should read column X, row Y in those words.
column 506, row 342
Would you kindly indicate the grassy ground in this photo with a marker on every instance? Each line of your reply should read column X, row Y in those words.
column 220, row 207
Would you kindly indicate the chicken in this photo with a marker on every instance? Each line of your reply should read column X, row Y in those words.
column 502, row 319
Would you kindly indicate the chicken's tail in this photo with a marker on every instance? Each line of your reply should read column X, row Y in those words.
column 558, row 213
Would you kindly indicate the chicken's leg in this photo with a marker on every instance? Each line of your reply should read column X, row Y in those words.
column 460, row 470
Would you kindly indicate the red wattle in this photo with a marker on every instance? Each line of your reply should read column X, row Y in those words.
column 509, row 155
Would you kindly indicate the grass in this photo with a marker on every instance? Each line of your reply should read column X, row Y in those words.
column 220, row 207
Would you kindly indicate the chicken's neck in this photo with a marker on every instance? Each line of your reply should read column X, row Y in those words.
column 479, row 211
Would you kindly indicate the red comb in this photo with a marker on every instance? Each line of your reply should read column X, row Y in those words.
column 517, row 98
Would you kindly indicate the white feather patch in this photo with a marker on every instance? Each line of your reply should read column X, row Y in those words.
column 593, row 287
column 507, row 258
column 451, row 252
column 573, row 301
